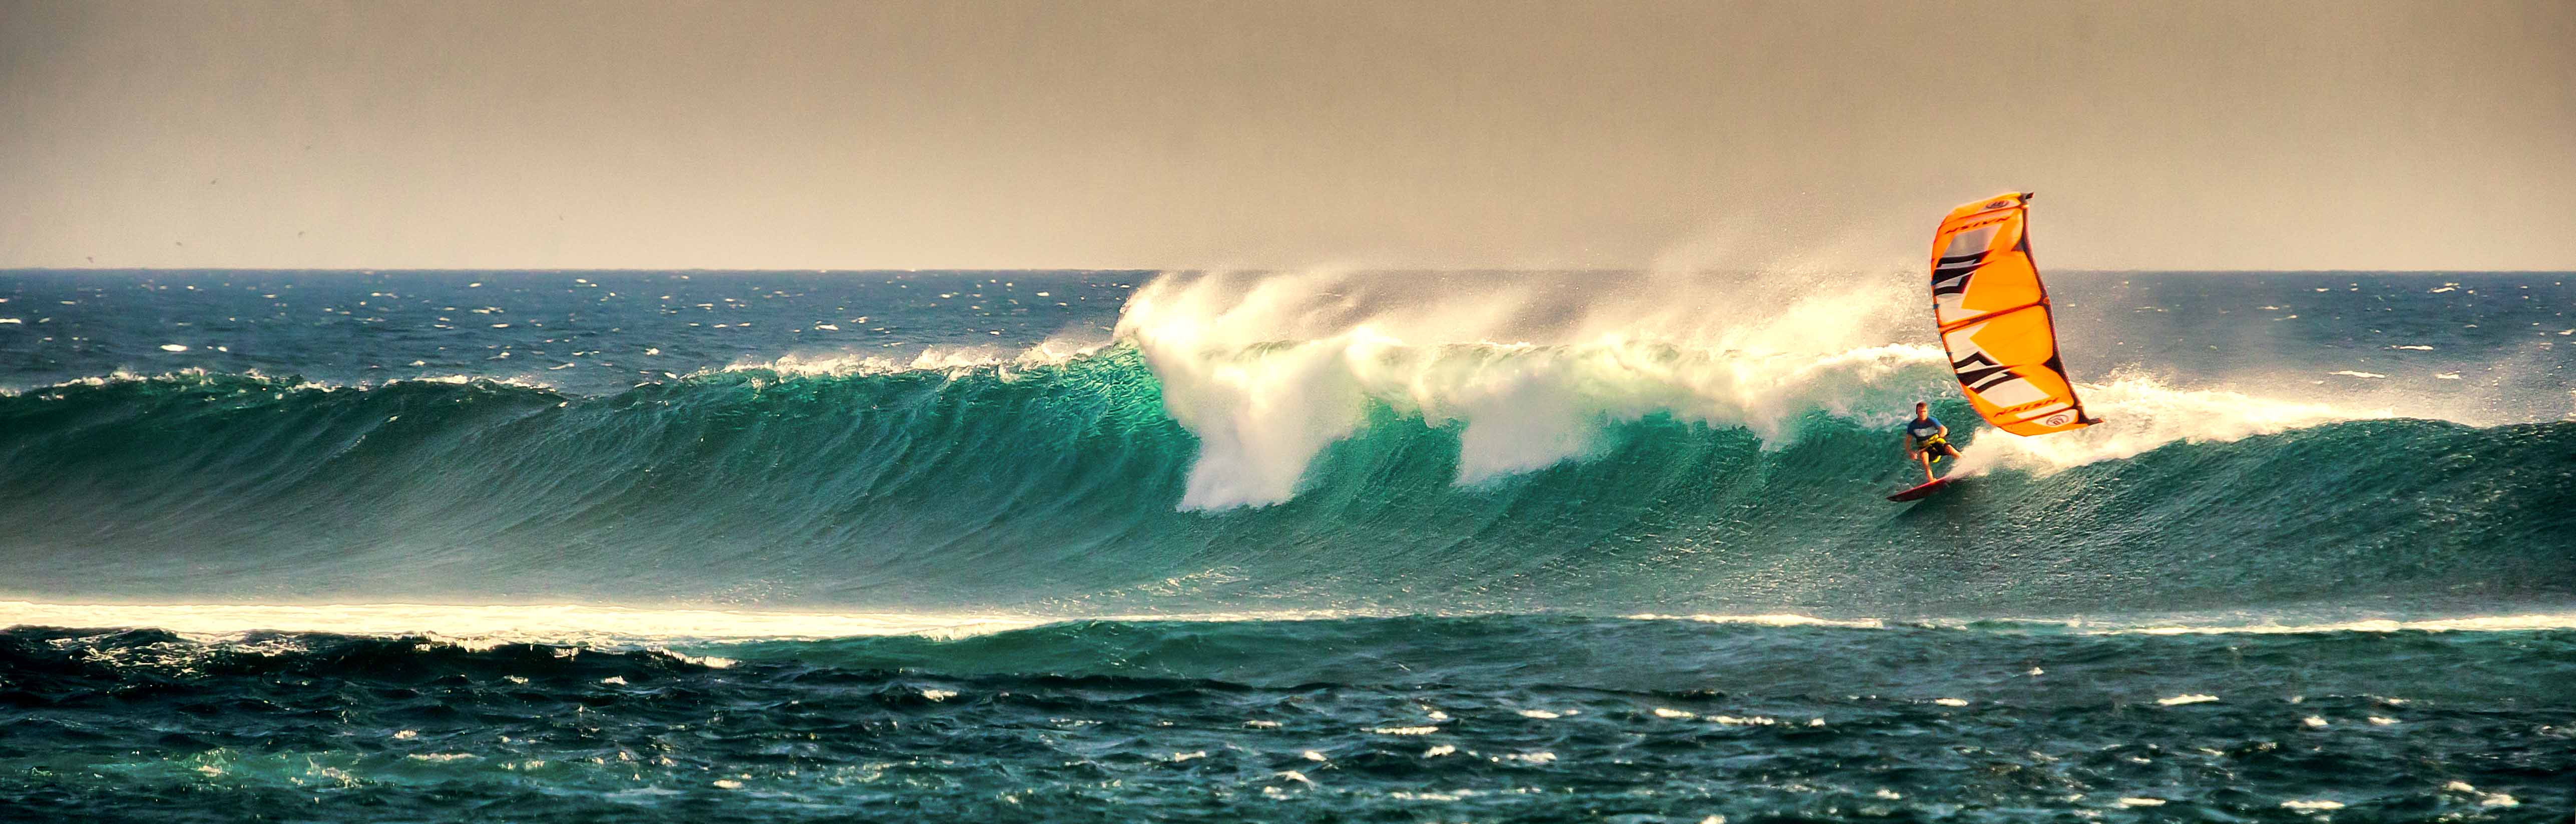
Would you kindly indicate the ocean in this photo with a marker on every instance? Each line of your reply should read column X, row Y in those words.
column 1322, row 546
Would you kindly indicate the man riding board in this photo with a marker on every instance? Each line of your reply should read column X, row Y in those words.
column 1926, row 440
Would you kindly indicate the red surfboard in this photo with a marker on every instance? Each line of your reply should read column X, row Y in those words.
column 1917, row 493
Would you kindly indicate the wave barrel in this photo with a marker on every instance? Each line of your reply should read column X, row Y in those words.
column 1993, row 315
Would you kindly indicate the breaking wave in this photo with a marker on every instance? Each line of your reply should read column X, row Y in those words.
column 1348, row 473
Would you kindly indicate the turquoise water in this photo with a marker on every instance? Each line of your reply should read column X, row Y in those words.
column 1075, row 546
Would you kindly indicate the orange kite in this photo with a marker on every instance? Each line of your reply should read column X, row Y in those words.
column 1993, row 315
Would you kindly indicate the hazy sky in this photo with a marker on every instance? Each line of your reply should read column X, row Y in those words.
column 1176, row 134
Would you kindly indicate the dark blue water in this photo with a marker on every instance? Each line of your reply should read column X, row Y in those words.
column 1119, row 546
column 614, row 329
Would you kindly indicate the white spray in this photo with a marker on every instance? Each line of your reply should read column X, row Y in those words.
column 1270, row 369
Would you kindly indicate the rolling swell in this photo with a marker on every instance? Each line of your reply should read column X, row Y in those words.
column 1060, row 488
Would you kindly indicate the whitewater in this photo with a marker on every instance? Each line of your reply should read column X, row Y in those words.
column 1276, row 546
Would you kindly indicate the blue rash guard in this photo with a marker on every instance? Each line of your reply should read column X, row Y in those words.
column 1926, row 432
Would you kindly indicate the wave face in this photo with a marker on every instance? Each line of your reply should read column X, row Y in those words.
column 1075, row 485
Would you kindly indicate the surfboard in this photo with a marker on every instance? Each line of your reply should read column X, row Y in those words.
column 1918, row 492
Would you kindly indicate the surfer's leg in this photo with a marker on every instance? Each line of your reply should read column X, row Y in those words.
column 1926, row 458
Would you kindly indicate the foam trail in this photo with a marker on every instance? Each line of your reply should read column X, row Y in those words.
column 538, row 623
column 571, row 624
column 2139, row 414
column 1051, row 352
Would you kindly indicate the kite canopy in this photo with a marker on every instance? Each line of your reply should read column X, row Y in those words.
column 1993, row 315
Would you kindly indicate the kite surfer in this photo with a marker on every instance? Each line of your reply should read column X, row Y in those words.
column 1926, row 440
